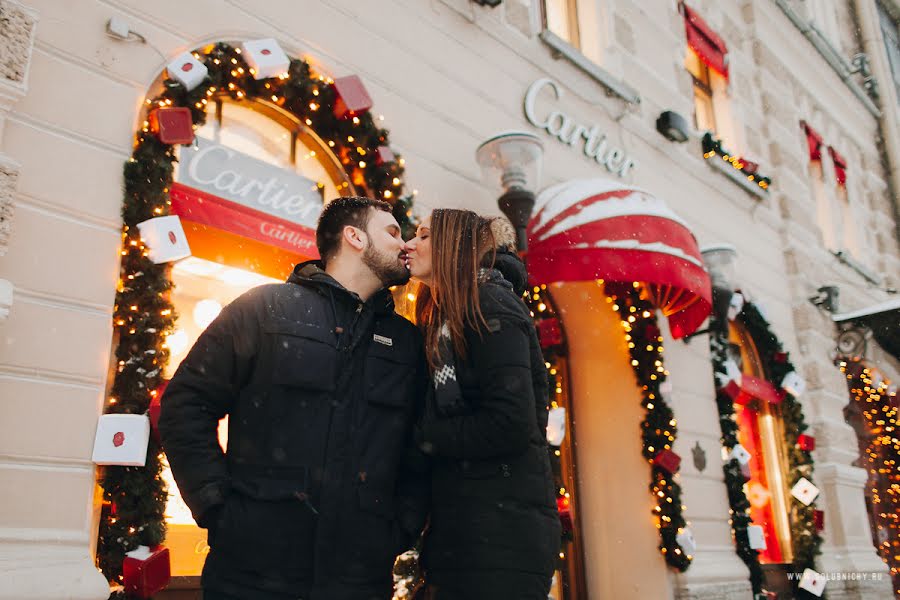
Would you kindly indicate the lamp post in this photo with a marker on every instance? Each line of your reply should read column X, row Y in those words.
column 721, row 264
column 513, row 159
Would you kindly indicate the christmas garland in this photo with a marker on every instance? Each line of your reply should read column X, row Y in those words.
column 659, row 427
column 135, row 497
column 776, row 364
column 713, row 147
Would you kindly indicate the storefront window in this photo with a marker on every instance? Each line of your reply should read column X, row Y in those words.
column 224, row 265
column 761, row 432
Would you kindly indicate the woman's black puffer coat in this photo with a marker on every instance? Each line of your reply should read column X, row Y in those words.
column 493, row 501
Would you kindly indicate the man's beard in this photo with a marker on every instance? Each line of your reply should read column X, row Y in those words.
column 390, row 270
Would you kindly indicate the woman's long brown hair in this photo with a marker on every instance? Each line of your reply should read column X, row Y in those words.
column 461, row 243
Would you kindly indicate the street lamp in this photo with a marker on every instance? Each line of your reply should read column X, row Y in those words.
column 721, row 264
column 514, row 160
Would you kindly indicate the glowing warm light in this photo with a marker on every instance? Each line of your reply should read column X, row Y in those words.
column 177, row 342
column 206, row 311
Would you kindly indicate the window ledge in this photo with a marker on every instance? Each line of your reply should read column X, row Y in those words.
column 724, row 167
column 563, row 49
column 846, row 258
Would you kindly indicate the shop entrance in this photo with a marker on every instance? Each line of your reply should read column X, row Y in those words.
column 615, row 511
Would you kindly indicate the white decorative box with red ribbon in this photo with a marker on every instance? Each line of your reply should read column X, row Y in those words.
column 187, row 70
column 165, row 239
column 122, row 440
column 266, row 58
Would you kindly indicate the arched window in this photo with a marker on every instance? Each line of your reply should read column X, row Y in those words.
column 235, row 188
column 761, row 432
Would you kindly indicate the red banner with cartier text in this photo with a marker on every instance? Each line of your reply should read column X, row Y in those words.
column 206, row 209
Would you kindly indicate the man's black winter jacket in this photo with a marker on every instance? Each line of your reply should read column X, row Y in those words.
column 312, row 498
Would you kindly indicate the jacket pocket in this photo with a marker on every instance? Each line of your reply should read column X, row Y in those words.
column 389, row 376
column 305, row 355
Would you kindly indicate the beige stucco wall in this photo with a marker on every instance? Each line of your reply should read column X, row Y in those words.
column 446, row 74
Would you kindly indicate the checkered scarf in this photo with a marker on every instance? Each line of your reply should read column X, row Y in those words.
column 447, row 392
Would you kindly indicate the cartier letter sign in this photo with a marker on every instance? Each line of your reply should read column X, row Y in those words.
column 558, row 124
column 232, row 175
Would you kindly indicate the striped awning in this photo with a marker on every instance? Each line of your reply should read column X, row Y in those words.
column 591, row 229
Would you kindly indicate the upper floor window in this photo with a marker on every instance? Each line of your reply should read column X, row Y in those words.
column 577, row 23
column 704, row 112
column 828, row 180
column 706, row 60
column 561, row 17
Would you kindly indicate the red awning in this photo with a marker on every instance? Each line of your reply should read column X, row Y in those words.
column 813, row 141
column 840, row 166
column 206, row 209
column 590, row 229
column 705, row 42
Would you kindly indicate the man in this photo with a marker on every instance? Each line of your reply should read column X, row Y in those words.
column 321, row 381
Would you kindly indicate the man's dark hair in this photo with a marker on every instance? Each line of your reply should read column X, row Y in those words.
column 337, row 214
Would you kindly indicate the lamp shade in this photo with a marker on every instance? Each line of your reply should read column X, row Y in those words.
column 721, row 263
column 512, row 160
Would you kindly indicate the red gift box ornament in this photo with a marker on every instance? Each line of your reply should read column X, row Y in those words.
column 819, row 520
column 667, row 461
column 146, row 571
column 549, row 332
column 806, row 442
column 351, row 97
column 172, row 125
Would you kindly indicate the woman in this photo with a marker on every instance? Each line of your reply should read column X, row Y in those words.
column 494, row 530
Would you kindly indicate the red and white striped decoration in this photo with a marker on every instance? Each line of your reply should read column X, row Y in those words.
column 601, row 229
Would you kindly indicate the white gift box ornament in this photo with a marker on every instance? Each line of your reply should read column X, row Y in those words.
column 756, row 537
column 793, row 384
column 733, row 372
column 164, row 237
column 121, row 440
column 266, row 58
column 556, row 426
column 735, row 306
column 685, row 539
column 813, row 582
column 187, row 70
column 740, row 453
column 805, row 491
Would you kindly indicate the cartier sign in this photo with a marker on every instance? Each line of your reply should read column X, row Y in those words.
column 242, row 179
column 587, row 137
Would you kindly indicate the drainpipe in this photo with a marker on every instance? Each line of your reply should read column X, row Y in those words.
column 889, row 121
column 833, row 59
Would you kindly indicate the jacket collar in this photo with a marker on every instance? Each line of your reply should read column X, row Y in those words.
column 312, row 274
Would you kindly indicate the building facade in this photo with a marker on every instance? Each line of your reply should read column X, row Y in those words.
column 771, row 126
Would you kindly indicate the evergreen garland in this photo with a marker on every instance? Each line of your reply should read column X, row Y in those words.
column 659, row 427
column 135, row 497
column 805, row 539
